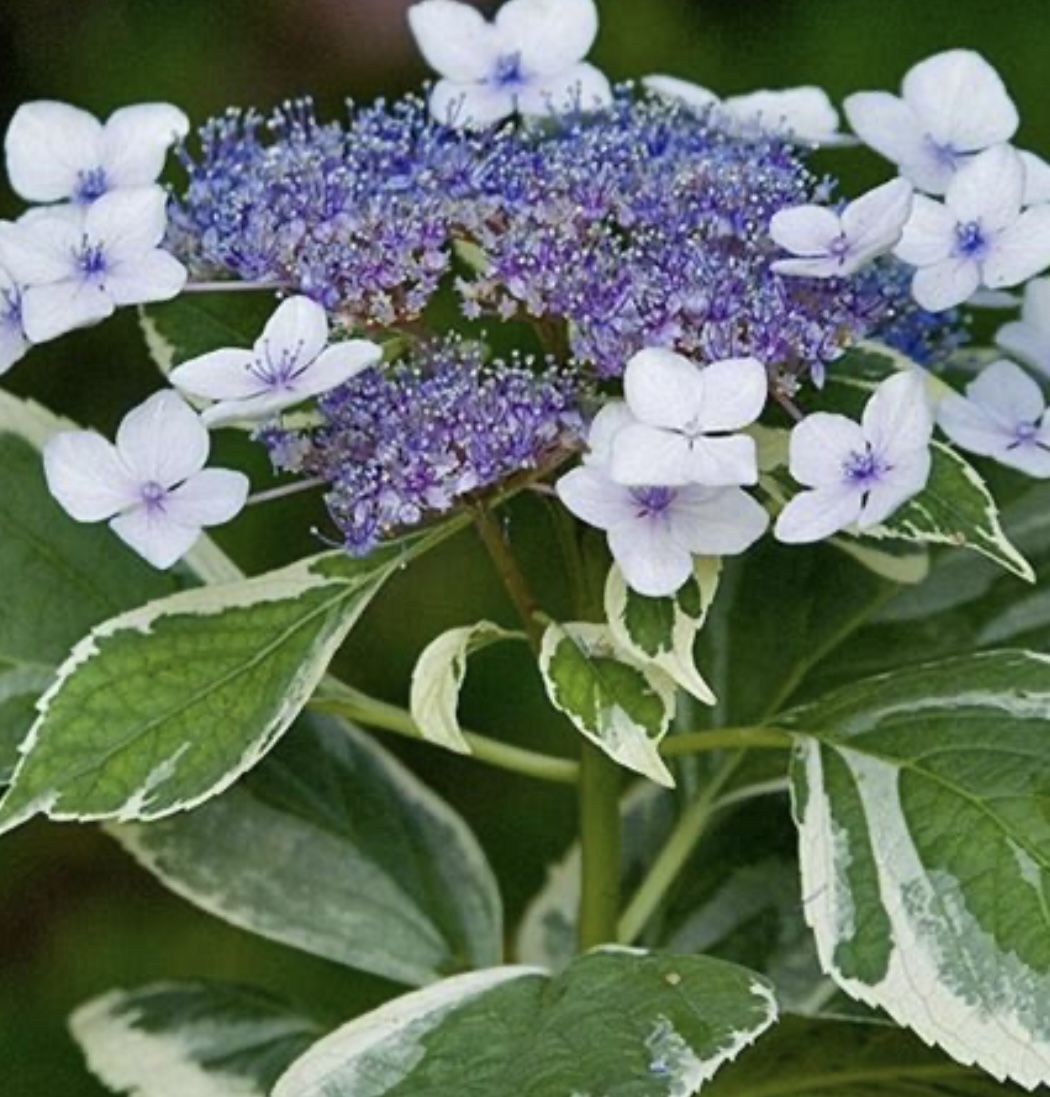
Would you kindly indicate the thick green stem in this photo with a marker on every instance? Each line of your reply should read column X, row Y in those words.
column 600, row 847
column 698, row 742
column 359, row 707
column 673, row 856
column 507, row 568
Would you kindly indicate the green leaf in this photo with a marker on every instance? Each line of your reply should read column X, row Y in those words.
column 955, row 508
column 165, row 706
column 801, row 1058
column 191, row 1040
column 661, row 632
column 615, row 1022
column 925, row 851
column 621, row 706
column 197, row 323
column 332, row 847
column 20, row 686
column 438, row 677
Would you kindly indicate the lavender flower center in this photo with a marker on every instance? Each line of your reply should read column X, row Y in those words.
column 153, row 496
column 945, row 155
column 970, row 240
column 280, row 371
column 1024, row 435
column 652, row 502
column 508, row 72
column 90, row 186
column 91, row 260
column 840, row 247
column 864, row 468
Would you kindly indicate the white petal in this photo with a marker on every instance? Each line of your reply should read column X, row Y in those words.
column 929, row 233
column 210, row 498
column 1007, row 393
column 815, row 515
column 1024, row 341
column 163, row 440
column 86, row 475
column 582, row 87
column 994, row 299
column 1036, row 307
column 1036, row 178
column 39, row 250
column 128, row 223
column 455, row 39
column 694, row 96
column 218, row 375
column 13, row 344
column 643, row 455
column 805, row 230
column 805, row 112
column 946, row 284
column 336, row 365
column 1020, row 252
column 152, row 276
column 723, row 462
column 898, row 419
column 51, row 311
column 723, row 522
column 595, row 499
column 733, row 393
column 297, row 331
column 135, row 142
column 819, row 447
column 663, row 389
column 48, row 145
column 612, row 418
column 1030, row 458
column 158, row 539
column 904, row 481
column 875, row 221
column 988, row 189
column 886, row 124
column 469, row 106
column 832, row 266
column 961, row 100
column 549, row 35
column 971, row 427
column 653, row 562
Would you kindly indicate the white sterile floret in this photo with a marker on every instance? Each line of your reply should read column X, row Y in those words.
column 1029, row 337
column 654, row 532
column 13, row 342
column 684, row 415
column 805, row 114
column 57, row 152
column 528, row 60
column 830, row 244
column 152, row 486
column 290, row 362
column 1003, row 416
column 979, row 236
column 75, row 272
column 951, row 106
column 859, row 472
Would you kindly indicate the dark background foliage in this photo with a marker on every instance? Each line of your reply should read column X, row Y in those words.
column 76, row 918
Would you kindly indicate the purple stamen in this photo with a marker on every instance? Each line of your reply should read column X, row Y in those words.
column 969, row 239
column 652, row 502
column 864, row 468
column 153, row 496
column 508, row 71
column 91, row 185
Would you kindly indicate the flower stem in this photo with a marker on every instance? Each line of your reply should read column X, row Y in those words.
column 672, row 858
column 507, row 567
column 234, row 287
column 342, row 700
column 600, row 847
column 697, row 742
column 283, row 491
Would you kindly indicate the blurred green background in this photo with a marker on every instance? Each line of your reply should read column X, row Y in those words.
column 76, row 918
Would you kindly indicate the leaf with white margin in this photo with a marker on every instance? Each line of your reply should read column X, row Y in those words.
column 661, row 632
column 159, row 709
column 623, row 707
column 438, row 677
column 331, row 846
column 20, row 686
column 844, row 1058
column 191, row 1040
column 616, row 1021
column 920, row 798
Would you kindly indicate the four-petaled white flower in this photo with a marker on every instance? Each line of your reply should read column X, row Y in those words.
column 13, row 342
column 528, row 60
column 979, row 236
column 57, row 152
column 1029, row 337
column 684, row 415
column 1003, row 416
column 654, row 532
column 951, row 106
column 76, row 272
column 152, row 485
column 804, row 114
column 859, row 473
column 290, row 363
column 830, row 244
